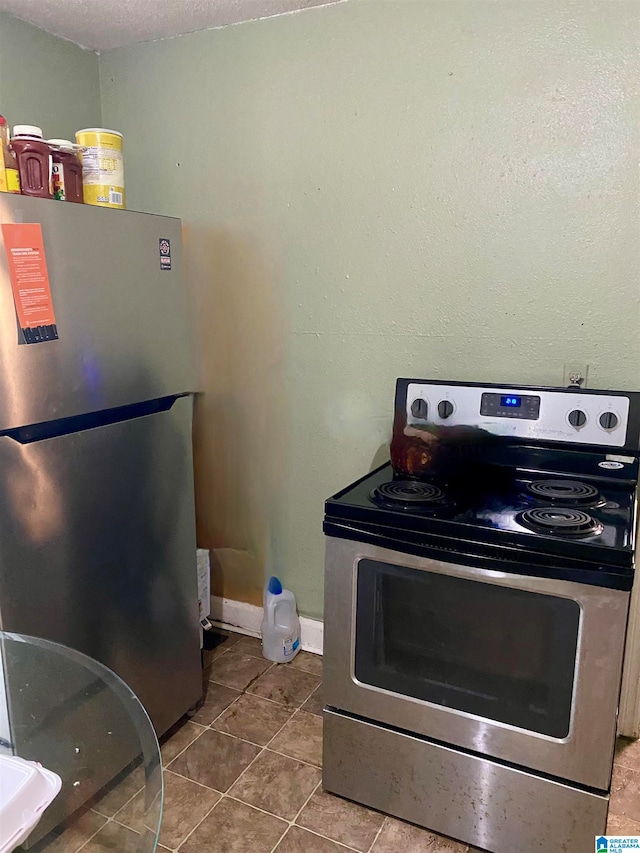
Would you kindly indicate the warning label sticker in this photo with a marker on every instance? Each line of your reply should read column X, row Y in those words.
column 30, row 281
column 165, row 254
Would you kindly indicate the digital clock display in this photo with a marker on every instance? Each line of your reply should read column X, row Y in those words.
column 511, row 402
column 525, row 407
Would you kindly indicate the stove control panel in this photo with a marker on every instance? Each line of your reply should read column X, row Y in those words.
column 525, row 406
column 546, row 415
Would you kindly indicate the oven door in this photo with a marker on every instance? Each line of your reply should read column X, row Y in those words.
column 522, row 669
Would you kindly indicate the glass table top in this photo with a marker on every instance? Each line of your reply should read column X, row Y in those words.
column 78, row 719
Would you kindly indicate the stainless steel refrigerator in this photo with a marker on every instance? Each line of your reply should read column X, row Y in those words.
column 97, row 530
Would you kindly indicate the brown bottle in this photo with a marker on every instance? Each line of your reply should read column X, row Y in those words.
column 34, row 160
column 67, row 171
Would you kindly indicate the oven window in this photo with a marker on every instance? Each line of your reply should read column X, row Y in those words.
column 500, row 653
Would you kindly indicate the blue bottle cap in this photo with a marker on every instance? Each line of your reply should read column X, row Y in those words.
column 274, row 587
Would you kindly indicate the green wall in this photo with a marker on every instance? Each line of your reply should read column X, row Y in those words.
column 374, row 189
column 46, row 81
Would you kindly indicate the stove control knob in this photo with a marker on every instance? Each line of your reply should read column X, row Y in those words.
column 577, row 418
column 445, row 409
column 419, row 408
column 608, row 420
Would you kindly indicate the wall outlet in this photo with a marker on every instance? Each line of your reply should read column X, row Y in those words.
column 575, row 375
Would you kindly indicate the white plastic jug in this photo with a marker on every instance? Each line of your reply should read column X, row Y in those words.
column 280, row 623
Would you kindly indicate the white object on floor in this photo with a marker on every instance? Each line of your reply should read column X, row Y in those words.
column 247, row 619
column 204, row 583
column 26, row 789
column 280, row 627
column 203, row 567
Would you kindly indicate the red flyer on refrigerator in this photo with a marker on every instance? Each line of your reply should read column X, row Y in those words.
column 30, row 281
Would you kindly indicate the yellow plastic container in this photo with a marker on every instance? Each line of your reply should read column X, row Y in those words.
column 102, row 166
column 9, row 175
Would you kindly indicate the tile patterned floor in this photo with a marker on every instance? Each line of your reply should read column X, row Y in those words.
column 243, row 775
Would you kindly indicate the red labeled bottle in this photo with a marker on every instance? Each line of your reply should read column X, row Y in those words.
column 34, row 160
column 66, row 171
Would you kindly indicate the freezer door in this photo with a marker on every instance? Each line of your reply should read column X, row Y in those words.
column 122, row 318
column 98, row 551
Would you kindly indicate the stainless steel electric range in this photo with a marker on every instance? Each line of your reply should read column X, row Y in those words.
column 476, row 603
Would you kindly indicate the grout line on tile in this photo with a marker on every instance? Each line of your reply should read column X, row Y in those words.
column 293, row 758
column 242, row 803
column 224, row 710
column 217, row 657
column 618, row 763
column 304, row 805
column 251, row 654
column 302, row 711
column 266, row 746
column 266, row 698
column 224, row 642
column 111, row 817
column 253, row 681
column 295, row 711
column 302, row 669
column 306, row 671
column 291, row 707
column 263, row 749
column 296, row 816
column 193, row 723
column 382, row 825
column 178, row 754
column 228, row 686
column 206, row 787
column 93, row 835
column 113, row 820
column 87, row 840
column 250, row 742
column 311, row 831
column 222, row 793
column 257, row 808
column 315, row 690
column 187, row 837
column 242, row 689
column 325, row 838
column 202, row 785
column 262, row 657
column 263, row 811
column 108, row 821
column 242, row 653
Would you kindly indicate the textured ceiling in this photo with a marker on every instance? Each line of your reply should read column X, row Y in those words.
column 101, row 24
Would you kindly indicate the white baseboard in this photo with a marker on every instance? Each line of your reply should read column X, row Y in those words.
column 312, row 635
column 247, row 619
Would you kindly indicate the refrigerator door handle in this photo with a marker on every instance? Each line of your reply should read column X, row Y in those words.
column 90, row 420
